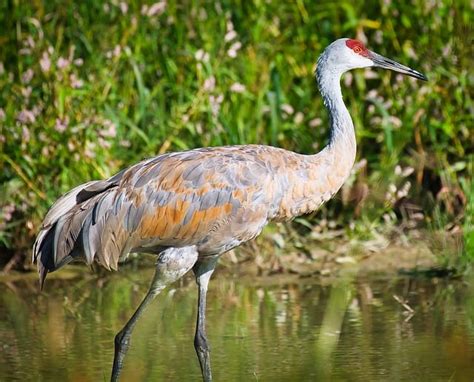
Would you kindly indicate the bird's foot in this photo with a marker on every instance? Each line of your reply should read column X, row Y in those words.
column 204, row 362
column 122, row 343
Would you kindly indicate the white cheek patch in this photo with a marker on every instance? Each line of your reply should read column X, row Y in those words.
column 363, row 60
column 369, row 62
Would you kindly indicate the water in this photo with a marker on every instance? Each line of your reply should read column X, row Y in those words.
column 274, row 329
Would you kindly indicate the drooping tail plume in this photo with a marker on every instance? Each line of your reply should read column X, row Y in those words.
column 72, row 227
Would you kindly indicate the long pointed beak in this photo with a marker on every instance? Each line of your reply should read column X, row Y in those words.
column 386, row 63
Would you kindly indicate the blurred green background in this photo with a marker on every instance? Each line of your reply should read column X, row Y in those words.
column 90, row 87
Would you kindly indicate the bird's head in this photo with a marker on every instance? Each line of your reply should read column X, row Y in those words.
column 346, row 54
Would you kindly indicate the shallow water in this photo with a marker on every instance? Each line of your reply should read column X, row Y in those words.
column 265, row 330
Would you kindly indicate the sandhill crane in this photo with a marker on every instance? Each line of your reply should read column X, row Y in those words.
column 190, row 207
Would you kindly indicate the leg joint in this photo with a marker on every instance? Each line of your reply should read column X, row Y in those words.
column 200, row 341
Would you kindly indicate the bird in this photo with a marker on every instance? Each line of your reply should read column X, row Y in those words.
column 190, row 207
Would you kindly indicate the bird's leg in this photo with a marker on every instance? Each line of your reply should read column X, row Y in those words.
column 172, row 264
column 203, row 270
column 122, row 339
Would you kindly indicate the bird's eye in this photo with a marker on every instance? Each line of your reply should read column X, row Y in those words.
column 357, row 47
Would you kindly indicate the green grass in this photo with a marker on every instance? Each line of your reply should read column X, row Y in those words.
column 123, row 85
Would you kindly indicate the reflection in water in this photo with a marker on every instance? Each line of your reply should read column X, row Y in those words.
column 331, row 327
column 258, row 330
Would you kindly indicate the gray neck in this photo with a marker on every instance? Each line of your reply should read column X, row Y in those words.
column 342, row 136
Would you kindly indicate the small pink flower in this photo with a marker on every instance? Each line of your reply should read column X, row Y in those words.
column 61, row 124
column 25, row 134
column 76, row 83
column 27, row 76
column 209, row 84
column 395, row 121
column 299, row 118
column 229, row 36
column 288, row 109
column 237, row 87
column 62, row 63
column 26, row 92
column 215, row 103
column 201, row 56
column 30, row 42
column 89, row 151
column 315, row 122
column 7, row 211
column 234, row 48
column 26, row 116
column 103, row 143
column 123, row 7
column 45, row 62
column 114, row 53
column 110, row 130
column 155, row 9
column 37, row 109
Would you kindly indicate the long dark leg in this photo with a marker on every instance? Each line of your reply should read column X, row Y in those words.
column 172, row 264
column 203, row 270
column 122, row 339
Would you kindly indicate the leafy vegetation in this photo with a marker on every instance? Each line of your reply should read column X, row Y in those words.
column 87, row 88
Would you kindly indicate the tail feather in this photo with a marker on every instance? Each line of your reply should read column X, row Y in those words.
column 70, row 224
column 42, row 248
column 64, row 204
column 89, row 240
column 68, row 229
column 100, row 231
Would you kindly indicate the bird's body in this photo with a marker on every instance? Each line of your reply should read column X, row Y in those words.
column 190, row 207
column 213, row 198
